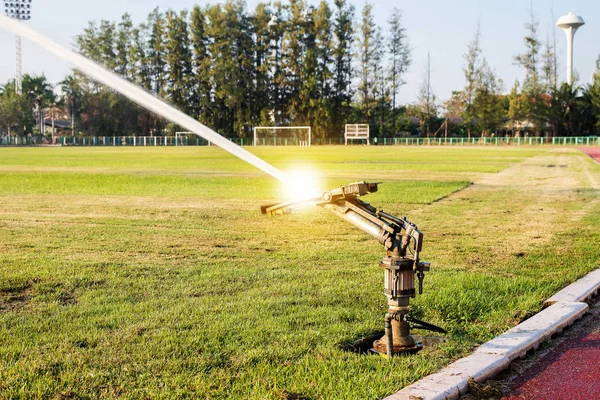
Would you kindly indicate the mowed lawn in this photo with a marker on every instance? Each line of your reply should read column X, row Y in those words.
column 150, row 273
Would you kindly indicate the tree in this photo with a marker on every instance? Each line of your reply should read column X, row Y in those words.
column 266, row 34
column 516, row 113
column 307, row 96
column 366, row 50
column 201, row 87
column 232, row 72
column 342, row 58
column 105, row 41
column 323, row 26
column 593, row 90
column 15, row 112
column 123, row 44
column 550, row 65
column 39, row 94
column 179, row 59
column 426, row 100
column 400, row 54
column 487, row 104
column 293, row 57
column 71, row 92
column 157, row 51
column 138, row 67
column 381, row 87
column 472, row 72
column 535, row 107
column 566, row 104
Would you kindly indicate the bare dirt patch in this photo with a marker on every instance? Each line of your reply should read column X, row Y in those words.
column 14, row 298
column 508, row 212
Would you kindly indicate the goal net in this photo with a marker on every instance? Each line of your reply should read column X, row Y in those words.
column 282, row 136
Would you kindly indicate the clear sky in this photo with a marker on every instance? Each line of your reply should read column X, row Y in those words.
column 441, row 27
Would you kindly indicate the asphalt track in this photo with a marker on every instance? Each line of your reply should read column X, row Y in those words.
column 593, row 152
column 568, row 369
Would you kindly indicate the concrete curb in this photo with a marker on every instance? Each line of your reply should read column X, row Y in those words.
column 580, row 290
column 564, row 308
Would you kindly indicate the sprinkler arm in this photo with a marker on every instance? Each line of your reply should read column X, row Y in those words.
column 395, row 234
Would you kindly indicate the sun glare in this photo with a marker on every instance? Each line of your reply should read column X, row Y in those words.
column 303, row 184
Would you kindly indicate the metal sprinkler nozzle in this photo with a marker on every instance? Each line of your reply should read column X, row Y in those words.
column 403, row 243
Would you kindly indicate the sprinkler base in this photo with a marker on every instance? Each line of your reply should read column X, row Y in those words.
column 380, row 347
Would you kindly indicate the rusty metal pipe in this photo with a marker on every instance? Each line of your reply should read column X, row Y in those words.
column 368, row 227
column 389, row 335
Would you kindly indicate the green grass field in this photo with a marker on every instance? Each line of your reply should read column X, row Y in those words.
column 150, row 273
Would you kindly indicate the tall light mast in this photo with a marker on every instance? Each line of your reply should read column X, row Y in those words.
column 21, row 10
column 570, row 23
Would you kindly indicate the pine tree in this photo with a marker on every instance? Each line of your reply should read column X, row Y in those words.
column 308, row 93
column 293, row 55
column 87, row 42
column 201, row 87
column 157, row 51
column 106, row 44
column 594, row 94
column 139, row 67
column 324, row 76
column 472, row 72
column 366, row 55
column 232, row 73
column 487, row 104
column 244, row 83
column 342, row 58
column 549, row 67
column 536, row 105
column 263, row 24
column 179, row 59
column 426, row 100
column 550, row 83
column 516, row 112
column 123, row 44
column 400, row 54
column 381, row 88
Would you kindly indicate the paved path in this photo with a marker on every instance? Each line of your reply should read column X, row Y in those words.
column 569, row 369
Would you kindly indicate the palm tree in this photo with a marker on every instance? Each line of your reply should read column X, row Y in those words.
column 56, row 107
column 39, row 92
column 71, row 90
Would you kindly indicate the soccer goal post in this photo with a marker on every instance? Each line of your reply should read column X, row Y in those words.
column 301, row 140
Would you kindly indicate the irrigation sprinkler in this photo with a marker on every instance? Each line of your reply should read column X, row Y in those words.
column 402, row 241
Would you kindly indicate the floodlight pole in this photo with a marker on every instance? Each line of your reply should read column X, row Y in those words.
column 19, row 78
column 19, row 10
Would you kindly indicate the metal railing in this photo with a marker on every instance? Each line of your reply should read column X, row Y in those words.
column 156, row 141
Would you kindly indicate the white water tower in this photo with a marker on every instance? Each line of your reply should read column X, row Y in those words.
column 570, row 23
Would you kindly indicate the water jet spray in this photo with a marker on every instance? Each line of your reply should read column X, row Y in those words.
column 403, row 243
column 138, row 95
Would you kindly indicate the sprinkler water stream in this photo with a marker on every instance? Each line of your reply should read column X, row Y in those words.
column 138, row 95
